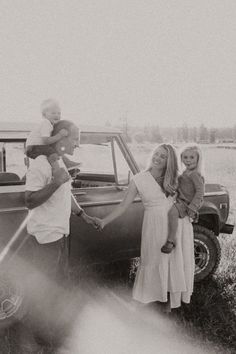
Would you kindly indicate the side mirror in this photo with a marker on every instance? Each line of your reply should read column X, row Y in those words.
column 129, row 174
column 26, row 162
column 2, row 159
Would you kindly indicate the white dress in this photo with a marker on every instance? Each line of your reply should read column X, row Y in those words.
column 160, row 273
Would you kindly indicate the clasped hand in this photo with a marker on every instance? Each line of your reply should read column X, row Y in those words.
column 99, row 224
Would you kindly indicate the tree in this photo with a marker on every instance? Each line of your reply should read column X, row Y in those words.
column 212, row 136
column 155, row 135
column 203, row 133
column 185, row 133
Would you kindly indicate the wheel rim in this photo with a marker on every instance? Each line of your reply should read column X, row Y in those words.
column 202, row 256
column 10, row 299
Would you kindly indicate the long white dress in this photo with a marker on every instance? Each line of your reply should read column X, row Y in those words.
column 160, row 273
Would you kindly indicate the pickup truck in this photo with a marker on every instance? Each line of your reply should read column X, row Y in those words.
column 106, row 167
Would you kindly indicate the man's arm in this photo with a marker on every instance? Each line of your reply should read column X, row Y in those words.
column 77, row 210
column 36, row 198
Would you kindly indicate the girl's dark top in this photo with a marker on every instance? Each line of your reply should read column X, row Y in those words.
column 191, row 189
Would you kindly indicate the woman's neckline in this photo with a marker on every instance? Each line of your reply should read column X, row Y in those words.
column 158, row 178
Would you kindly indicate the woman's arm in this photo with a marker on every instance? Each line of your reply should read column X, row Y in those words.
column 122, row 207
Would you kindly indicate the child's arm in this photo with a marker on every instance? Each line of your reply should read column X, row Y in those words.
column 48, row 140
column 197, row 200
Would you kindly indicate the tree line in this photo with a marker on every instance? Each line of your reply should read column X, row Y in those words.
column 184, row 133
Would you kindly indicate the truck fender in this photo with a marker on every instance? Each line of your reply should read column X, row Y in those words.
column 209, row 217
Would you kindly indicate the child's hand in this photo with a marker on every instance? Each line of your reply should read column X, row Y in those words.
column 63, row 132
column 171, row 190
column 99, row 224
column 191, row 214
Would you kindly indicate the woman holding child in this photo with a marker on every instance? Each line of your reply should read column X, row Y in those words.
column 160, row 276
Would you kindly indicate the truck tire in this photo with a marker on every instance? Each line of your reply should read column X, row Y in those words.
column 206, row 251
column 11, row 307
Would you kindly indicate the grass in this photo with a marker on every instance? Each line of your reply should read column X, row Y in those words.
column 212, row 311
column 211, row 315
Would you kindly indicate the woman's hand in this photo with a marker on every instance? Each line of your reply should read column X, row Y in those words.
column 100, row 224
column 171, row 190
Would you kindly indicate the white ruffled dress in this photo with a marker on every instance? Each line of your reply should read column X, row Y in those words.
column 158, row 273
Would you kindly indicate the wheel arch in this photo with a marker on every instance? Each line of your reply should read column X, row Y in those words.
column 209, row 217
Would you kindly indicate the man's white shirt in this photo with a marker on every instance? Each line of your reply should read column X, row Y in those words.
column 50, row 220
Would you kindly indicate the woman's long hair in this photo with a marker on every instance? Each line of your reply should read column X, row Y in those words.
column 170, row 175
column 194, row 147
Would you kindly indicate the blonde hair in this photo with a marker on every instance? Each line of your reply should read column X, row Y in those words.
column 46, row 104
column 170, row 174
column 194, row 147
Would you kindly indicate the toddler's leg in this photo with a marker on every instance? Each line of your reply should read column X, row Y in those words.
column 173, row 216
column 34, row 151
column 53, row 160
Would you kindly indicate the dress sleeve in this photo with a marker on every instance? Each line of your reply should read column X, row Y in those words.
column 199, row 185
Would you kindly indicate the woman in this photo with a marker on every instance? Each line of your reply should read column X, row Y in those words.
column 159, row 274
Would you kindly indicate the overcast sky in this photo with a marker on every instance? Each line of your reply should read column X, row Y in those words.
column 152, row 61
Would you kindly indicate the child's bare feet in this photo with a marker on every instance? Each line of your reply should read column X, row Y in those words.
column 168, row 247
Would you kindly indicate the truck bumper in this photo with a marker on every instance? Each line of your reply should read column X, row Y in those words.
column 227, row 229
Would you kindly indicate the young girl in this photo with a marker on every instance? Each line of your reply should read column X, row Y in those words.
column 190, row 193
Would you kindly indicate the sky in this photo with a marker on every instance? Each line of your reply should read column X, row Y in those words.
column 147, row 62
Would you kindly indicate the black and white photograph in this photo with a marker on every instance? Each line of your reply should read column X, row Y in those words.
column 117, row 177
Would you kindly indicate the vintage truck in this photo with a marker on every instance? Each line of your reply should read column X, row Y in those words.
column 106, row 167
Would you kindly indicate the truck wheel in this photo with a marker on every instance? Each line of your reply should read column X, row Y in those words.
column 11, row 307
column 206, row 251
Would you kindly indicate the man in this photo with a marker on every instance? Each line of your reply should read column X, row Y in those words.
column 48, row 193
column 49, row 198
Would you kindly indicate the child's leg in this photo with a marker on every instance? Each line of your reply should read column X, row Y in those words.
column 53, row 160
column 34, row 151
column 173, row 216
column 178, row 210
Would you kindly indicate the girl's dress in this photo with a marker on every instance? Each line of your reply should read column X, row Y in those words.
column 160, row 273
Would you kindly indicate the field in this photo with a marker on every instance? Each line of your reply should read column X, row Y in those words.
column 210, row 319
